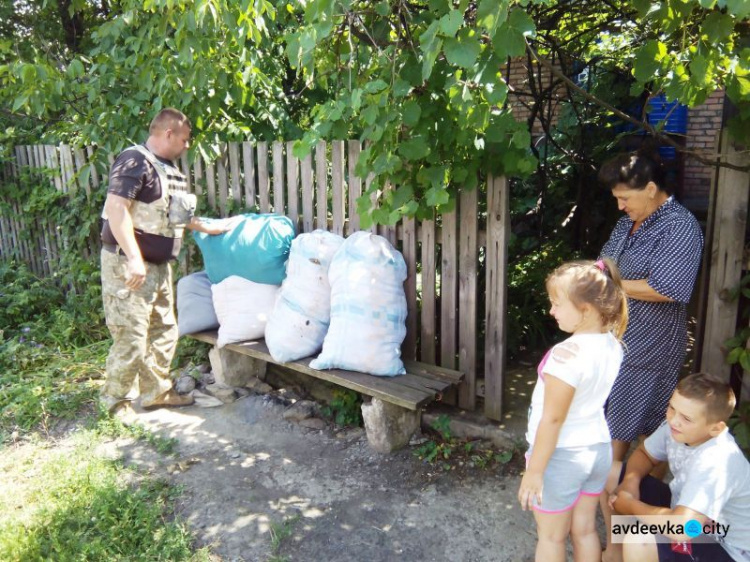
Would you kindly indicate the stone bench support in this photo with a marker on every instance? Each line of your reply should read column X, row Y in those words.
column 389, row 427
column 235, row 369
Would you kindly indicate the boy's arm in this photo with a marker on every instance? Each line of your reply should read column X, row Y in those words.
column 626, row 498
column 557, row 398
column 639, row 465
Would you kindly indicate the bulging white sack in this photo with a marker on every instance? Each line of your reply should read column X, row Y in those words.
column 300, row 318
column 368, row 308
column 242, row 307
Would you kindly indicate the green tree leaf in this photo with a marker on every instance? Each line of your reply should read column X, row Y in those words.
column 717, row 27
column 414, row 148
column 411, row 113
column 450, row 23
column 648, row 60
column 462, row 51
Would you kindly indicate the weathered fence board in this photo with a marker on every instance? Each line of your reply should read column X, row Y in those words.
column 321, row 186
column 234, row 173
column 263, row 180
column 496, row 258
column 210, row 184
column 185, row 169
column 337, row 181
column 292, row 176
column 409, row 251
column 729, row 226
column 278, row 178
column 197, row 183
column 221, row 180
column 467, row 302
column 427, row 324
column 80, row 159
column 248, row 165
column 355, row 187
column 306, row 174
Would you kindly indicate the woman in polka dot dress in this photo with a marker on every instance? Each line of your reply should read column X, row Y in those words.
column 657, row 248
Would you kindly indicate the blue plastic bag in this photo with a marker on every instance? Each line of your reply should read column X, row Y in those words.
column 256, row 249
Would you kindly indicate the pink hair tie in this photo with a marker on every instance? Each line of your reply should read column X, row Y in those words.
column 601, row 265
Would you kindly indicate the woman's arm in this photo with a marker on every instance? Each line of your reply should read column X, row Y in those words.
column 558, row 396
column 639, row 289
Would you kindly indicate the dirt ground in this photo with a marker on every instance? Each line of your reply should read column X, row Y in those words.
column 260, row 488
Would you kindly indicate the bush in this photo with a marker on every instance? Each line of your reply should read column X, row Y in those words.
column 530, row 325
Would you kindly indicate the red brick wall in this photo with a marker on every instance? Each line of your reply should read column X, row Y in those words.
column 519, row 97
column 704, row 123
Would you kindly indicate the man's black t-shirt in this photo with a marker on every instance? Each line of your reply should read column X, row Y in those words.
column 133, row 177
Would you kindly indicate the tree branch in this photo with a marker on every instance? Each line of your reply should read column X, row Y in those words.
column 703, row 158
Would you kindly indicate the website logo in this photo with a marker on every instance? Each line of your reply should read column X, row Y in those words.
column 664, row 529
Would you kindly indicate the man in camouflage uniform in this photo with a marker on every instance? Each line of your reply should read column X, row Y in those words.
column 145, row 213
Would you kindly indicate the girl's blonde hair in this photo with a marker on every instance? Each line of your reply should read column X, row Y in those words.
column 596, row 283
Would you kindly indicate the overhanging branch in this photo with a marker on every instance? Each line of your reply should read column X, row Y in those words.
column 702, row 157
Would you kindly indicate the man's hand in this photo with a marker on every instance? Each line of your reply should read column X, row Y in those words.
column 531, row 487
column 136, row 273
column 215, row 226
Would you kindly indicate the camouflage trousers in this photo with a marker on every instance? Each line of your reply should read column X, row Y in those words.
column 143, row 327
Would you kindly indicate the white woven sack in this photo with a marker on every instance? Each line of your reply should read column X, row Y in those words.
column 242, row 308
column 368, row 308
column 300, row 318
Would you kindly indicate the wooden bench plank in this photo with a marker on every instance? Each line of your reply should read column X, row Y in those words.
column 422, row 383
column 434, row 372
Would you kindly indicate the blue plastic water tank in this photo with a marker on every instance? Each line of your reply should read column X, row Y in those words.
column 659, row 110
column 667, row 152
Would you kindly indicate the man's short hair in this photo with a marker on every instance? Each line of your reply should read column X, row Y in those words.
column 169, row 118
column 716, row 395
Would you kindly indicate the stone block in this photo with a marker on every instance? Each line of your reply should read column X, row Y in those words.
column 300, row 411
column 234, row 369
column 221, row 391
column 389, row 427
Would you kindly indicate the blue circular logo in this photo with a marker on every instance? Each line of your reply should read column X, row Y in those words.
column 693, row 528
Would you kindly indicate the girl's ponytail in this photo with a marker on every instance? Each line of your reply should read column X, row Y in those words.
column 619, row 324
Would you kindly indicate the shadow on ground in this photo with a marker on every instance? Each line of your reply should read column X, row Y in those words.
column 260, row 488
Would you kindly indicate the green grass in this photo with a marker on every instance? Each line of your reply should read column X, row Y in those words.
column 280, row 532
column 40, row 383
column 59, row 498
column 76, row 505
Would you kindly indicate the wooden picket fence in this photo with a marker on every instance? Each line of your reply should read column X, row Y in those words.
column 444, row 256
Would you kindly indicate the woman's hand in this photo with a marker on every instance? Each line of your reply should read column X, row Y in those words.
column 531, row 489
column 619, row 500
column 629, row 488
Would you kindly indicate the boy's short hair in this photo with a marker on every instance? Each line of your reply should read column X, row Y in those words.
column 716, row 395
column 169, row 118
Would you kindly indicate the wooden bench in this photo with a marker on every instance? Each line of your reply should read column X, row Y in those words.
column 394, row 412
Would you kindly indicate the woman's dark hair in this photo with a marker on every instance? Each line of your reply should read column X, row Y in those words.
column 635, row 170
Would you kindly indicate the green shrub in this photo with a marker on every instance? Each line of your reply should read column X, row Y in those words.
column 345, row 409
column 529, row 324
